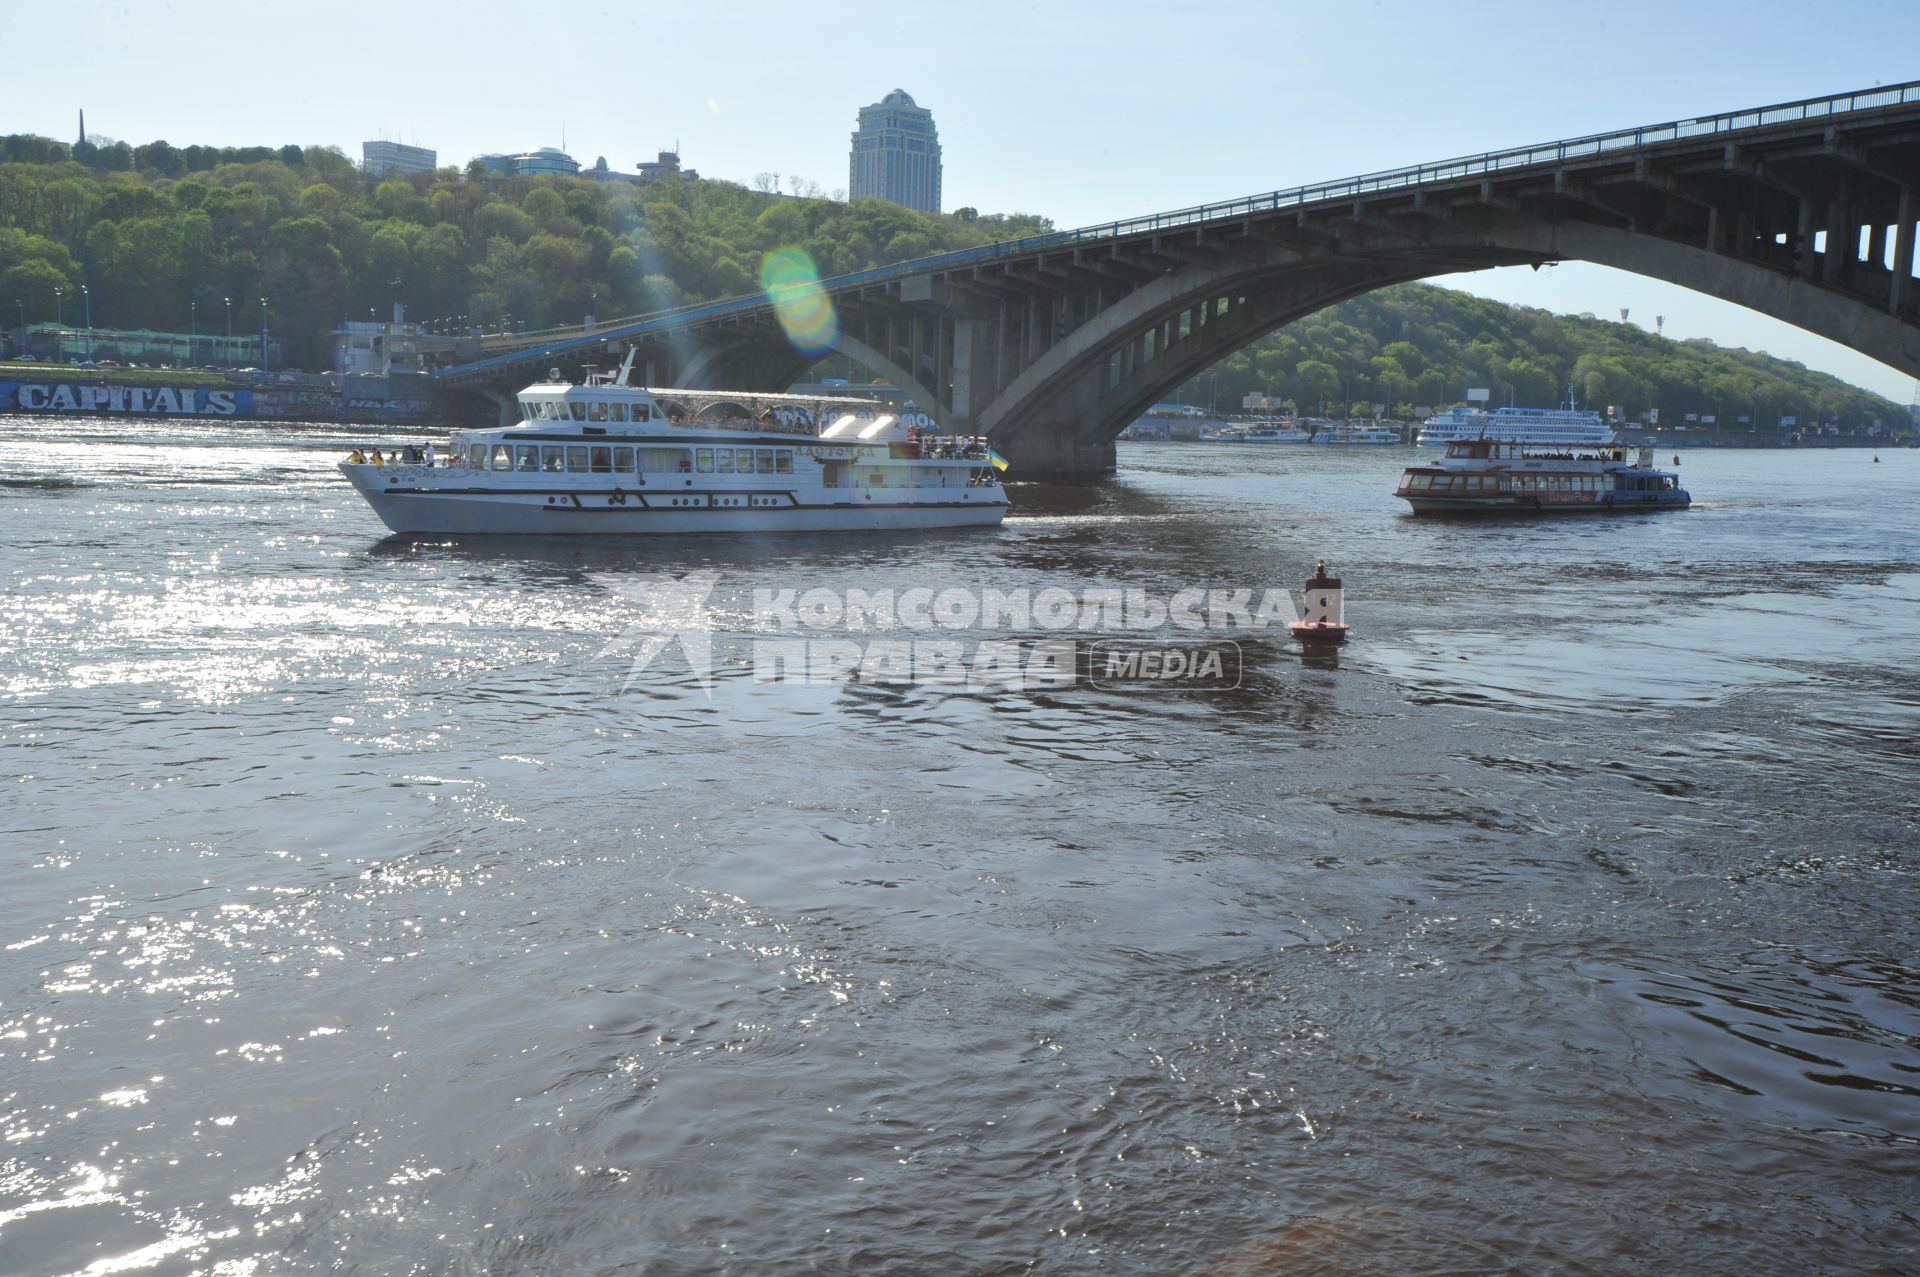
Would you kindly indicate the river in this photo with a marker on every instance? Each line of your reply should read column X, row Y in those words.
column 374, row 907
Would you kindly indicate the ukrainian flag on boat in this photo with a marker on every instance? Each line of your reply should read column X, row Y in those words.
column 999, row 462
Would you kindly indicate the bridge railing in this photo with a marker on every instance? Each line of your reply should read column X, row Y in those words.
column 1343, row 188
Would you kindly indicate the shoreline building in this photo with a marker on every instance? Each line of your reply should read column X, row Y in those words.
column 896, row 154
column 378, row 159
column 369, row 348
column 548, row 160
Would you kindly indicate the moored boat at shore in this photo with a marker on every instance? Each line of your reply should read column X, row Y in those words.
column 1279, row 430
column 1568, row 426
column 1491, row 476
column 1360, row 436
column 605, row 457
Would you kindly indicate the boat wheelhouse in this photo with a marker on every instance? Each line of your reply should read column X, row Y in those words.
column 605, row 457
column 1491, row 476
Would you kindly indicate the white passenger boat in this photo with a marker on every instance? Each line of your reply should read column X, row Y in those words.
column 1376, row 436
column 1279, row 430
column 605, row 457
column 1569, row 426
column 1487, row 476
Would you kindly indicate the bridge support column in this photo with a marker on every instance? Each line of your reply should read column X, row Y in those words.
column 971, row 370
column 506, row 406
column 1055, row 452
column 1902, row 284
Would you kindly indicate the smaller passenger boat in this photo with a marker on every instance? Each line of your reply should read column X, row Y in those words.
column 1376, row 436
column 1497, row 476
column 1279, row 430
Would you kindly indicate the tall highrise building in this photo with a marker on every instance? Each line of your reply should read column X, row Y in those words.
column 896, row 154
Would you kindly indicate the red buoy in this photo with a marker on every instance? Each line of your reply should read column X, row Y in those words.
column 1322, row 622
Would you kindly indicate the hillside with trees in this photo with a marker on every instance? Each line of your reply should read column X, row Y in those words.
column 163, row 235
column 1419, row 345
column 153, row 230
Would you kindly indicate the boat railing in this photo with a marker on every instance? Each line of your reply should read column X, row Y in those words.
column 951, row 447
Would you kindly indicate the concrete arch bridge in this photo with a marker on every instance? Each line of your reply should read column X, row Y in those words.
column 1051, row 345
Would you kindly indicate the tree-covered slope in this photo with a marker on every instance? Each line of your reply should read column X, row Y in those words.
column 152, row 230
column 1418, row 345
column 155, row 231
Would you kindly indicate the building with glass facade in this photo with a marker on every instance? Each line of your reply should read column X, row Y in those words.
column 379, row 159
column 896, row 154
column 545, row 160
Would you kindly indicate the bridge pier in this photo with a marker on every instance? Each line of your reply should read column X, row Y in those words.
column 1056, row 452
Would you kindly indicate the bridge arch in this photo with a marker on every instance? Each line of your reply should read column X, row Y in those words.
column 1063, row 412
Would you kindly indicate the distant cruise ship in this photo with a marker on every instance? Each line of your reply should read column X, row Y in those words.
column 1516, row 425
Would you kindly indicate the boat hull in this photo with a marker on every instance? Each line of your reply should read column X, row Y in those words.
column 1473, row 507
column 439, row 510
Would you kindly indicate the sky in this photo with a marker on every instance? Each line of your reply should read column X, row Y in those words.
column 1083, row 112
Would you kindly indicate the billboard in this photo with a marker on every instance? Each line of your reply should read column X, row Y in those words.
column 142, row 401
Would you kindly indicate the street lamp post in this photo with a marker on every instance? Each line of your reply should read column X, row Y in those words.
column 266, row 365
column 193, row 332
column 86, row 295
column 59, row 315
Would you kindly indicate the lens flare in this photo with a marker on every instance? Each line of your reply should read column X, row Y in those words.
column 805, row 311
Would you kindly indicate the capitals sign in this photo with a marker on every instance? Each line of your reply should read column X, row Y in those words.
column 145, row 401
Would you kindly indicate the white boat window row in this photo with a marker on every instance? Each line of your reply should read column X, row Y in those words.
column 578, row 410
column 743, row 460
column 1508, row 483
column 573, row 458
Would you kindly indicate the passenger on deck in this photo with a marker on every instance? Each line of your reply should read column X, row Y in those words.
column 378, row 460
column 358, row 458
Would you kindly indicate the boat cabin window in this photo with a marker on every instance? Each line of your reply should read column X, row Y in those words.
column 576, row 456
column 617, row 412
column 783, row 461
column 579, row 411
column 623, row 460
column 597, row 410
column 642, row 413
column 502, row 457
column 663, row 460
column 526, row 457
column 763, row 460
column 602, row 460
column 705, row 456
column 723, row 459
column 553, row 458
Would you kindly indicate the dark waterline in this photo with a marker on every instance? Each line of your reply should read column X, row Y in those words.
column 362, row 917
